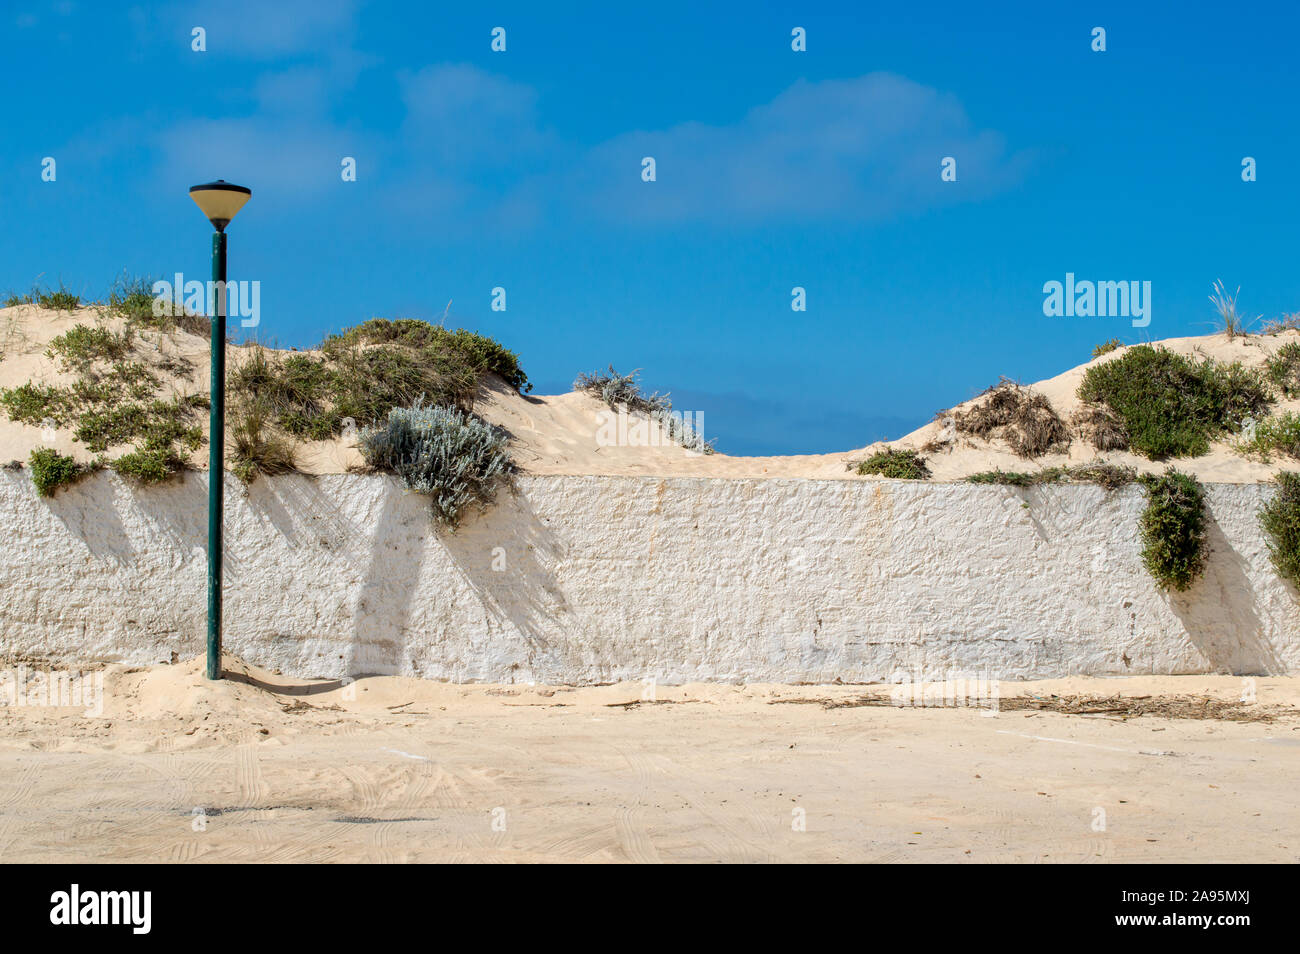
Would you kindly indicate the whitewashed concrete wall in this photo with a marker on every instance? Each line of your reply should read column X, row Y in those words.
column 592, row 579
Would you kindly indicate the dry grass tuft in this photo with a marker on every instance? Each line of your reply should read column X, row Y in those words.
column 1100, row 427
column 1026, row 421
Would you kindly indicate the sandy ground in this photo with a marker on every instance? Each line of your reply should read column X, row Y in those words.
column 559, row 434
column 390, row 769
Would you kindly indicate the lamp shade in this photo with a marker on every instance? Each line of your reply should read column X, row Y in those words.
column 219, row 201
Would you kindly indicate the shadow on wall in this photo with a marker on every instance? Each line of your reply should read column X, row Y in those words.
column 169, row 538
column 505, row 557
column 1219, row 612
column 94, row 516
column 508, row 557
column 381, row 615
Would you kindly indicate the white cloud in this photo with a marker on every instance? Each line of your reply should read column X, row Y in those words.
column 861, row 148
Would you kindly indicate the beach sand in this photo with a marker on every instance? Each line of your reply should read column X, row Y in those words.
column 264, row 768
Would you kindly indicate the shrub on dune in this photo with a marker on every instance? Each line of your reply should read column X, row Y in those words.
column 458, row 460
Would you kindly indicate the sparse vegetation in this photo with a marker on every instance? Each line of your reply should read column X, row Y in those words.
column 1025, row 420
column 112, row 401
column 897, row 464
column 1012, row 478
column 55, row 299
column 1280, row 520
column 80, row 347
column 457, row 459
column 1280, row 433
column 1282, row 323
column 132, row 298
column 258, row 448
column 1283, row 369
column 158, row 421
column 1104, row 474
column 1173, row 528
column 1106, row 347
column 52, row 470
column 622, row 390
column 1163, row 404
column 1109, row 476
column 361, row 374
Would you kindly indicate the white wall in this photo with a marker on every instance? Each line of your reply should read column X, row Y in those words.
column 609, row 578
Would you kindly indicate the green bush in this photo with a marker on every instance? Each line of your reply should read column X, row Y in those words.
column 1172, row 406
column 1283, row 369
column 52, row 470
column 367, row 371
column 151, row 463
column 1173, row 529
column 454, row 457
column 1106, row 347
column 477, row 353
column 898, row 464
column 1280, row 520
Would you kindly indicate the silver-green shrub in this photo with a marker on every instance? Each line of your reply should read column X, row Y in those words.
column 454, row 457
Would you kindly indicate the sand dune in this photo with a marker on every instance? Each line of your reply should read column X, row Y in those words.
column 558, row 434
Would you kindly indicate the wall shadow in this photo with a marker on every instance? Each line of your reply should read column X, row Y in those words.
column 508, row 556
column 381, row 614
column 1219, row 613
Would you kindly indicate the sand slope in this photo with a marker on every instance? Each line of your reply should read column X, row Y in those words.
column 558, row 434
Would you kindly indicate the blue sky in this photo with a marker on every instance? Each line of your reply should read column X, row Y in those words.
column 775, row 169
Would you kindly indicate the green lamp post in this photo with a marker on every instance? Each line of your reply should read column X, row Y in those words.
column 219, row 201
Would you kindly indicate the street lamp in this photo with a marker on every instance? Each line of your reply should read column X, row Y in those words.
column 219, row 201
